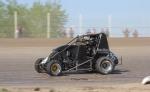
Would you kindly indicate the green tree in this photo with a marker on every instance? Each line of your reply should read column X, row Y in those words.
column 32, row 19
column 7, row 16
column 38, row 15
column 4, row 21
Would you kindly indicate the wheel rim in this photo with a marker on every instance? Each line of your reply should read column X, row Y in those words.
column 55, row 68
column 106, row 66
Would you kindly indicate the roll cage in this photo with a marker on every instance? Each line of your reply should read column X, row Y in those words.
column 94, row 41
column 101, row 41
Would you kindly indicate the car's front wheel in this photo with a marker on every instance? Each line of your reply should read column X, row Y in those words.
column 37, row 65
column 54, row 68
column 104, row 65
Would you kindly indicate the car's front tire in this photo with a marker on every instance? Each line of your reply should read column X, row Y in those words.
column 104, row 65
column 54, row 68
column 37, row 65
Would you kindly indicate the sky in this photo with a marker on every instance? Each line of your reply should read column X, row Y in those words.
column 124, row 13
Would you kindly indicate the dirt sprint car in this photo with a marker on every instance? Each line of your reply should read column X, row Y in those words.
column 83, row 53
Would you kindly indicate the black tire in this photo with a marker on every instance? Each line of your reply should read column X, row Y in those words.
column 54, row 68
column 104, row 65
column 37, row 65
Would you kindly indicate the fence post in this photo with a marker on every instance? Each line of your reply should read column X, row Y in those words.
column 109, row 24
column 16, row 32
column 48, row 26
column 80, row 24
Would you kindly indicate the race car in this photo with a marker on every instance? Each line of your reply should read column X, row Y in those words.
column 83, row 53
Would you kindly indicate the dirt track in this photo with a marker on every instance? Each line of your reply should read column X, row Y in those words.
column 16, row 65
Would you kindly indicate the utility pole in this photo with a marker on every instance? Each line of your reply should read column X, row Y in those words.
column 48, row 26
column 16, row 31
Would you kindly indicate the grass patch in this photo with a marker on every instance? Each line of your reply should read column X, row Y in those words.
column 4, row 90
column 37, row 89
column 52, row 90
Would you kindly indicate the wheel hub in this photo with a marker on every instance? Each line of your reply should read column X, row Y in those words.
column 55, row 68
column 106, row 65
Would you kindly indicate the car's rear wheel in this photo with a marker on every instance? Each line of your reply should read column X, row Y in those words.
column 104, row 65
column 37, row 65
column 54, row 68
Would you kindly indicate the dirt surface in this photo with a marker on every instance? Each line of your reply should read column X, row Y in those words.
column 119, row 42
column 17, row 59
column 81, row 88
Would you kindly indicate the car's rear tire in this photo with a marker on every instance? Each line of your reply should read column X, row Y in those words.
column 37, row 65
column 104, row 65
column 54, row 68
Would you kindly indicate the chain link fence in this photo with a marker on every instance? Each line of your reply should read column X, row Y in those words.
column 126, row 32
column 39, row 29
column 69, row 32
